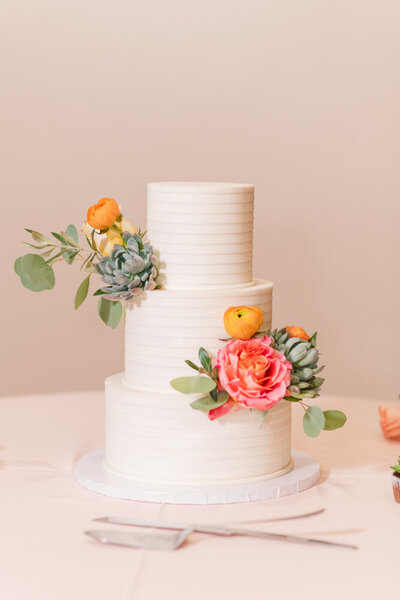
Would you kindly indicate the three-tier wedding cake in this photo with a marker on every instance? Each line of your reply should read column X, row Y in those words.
column 203, row 233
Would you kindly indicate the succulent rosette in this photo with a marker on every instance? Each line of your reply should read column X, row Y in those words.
column 130, row 269
column 256, row 371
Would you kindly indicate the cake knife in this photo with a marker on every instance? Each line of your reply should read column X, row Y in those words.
column 173, row 525
column 217, row 530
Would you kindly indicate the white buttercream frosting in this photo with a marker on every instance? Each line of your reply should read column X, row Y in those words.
column 163, row 328
column 203, row 232
column 152, row 436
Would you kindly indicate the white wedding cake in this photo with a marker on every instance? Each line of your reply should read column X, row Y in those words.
column 203, row 233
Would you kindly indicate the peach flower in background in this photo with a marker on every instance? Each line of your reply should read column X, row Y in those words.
column 390, row 421
column 103, row 214
column 254, row 374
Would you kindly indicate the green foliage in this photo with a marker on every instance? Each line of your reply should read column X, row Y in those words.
column 334, row 419
column 82, row 292
column 192, row 365
column 396, row 468
column 313, row 421
column 193, row 385
column 205, row 360
column 60, row 238
column 110, row 312
column 207, row 403
column 35, row 274
column 72, row 233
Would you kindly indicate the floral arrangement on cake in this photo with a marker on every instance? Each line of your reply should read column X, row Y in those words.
column 115, row 250
column 257, row 369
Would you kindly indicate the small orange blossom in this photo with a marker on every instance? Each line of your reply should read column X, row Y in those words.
column 242, row 322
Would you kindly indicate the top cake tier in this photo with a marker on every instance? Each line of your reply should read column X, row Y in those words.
column 203, row 233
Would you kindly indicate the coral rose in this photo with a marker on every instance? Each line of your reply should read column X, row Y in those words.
column 254, row 374
column 242, row 322
column 298, row 332
column 103, row 214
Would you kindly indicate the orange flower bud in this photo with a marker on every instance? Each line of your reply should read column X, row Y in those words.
column 103, row 214
column 242, row 322
column 298, row 332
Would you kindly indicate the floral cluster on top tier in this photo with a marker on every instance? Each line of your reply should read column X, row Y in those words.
column 257, row 369
column 118, row 252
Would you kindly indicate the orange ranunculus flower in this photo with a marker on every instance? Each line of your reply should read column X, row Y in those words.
column 242, row 322
column 298, row 332
column 103, row 214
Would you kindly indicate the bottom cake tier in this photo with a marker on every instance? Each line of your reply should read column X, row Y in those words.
column 157, row 437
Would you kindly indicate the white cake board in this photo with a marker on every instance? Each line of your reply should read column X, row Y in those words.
column 91, row 473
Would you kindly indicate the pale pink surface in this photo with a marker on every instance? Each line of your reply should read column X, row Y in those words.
column 254, row 374
column 43, row 512
column 390, row 421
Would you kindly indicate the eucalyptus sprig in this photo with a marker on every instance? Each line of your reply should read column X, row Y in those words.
column 37, row 274
column 204, row 383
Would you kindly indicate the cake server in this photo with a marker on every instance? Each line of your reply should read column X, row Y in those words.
column 146, row 541
column 223, row 531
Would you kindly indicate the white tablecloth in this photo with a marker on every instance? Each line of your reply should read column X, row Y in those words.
column 43, row 513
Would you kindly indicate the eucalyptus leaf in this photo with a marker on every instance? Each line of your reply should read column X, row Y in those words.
column 82, row 292
column 40, row 238
column 69, row 254
column 334, row 419
column 193, row 385
column 17, row 266
column 110, row 312
column 59, row 237
column 205, row 360
column 214, row 394
column 313, row 421
column 207, row 403
column 72, row 232
column 47, row 253
column 192, row 365
column 99, row 292
column 35, row 273
column 36, row 247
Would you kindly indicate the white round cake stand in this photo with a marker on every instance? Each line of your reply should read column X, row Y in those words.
column 91, row 474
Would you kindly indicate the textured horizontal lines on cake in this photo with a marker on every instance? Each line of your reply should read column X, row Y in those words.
column 193, row 188
column 155, row 436
column 185, row 218
column 163, row 328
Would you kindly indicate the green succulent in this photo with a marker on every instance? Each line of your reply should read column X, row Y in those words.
column 129, row 269
column 304, row 358
column 396, row 468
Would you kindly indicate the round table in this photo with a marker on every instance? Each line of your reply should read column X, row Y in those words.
column 44, row 554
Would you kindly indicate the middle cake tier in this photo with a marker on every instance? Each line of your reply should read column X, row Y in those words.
column 163, row 328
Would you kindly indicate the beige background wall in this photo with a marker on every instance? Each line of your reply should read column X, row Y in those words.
column 299, row 97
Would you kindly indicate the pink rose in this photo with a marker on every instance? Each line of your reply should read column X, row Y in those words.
column 254, row 374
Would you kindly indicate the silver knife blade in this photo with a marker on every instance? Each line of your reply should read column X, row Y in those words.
column 225, row 531
column 173, row 525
